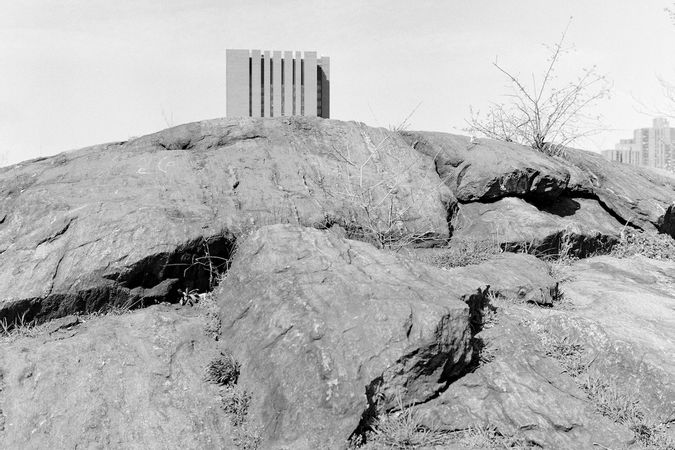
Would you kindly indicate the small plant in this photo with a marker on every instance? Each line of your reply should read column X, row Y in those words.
column 235, row 403
column 488, row 436
column 610, row 401
column 651, row 245
column 207, row 303
column 465, row 253
column 378, row 212
column 223, row 370
column 569, row 354
column 248, row 437
column 19, row 327
column 404, row 430
column 608, row 397
column 189, row 297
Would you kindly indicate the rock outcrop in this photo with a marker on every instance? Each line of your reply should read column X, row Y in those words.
column 127, row 381
column 134, row 222
column 593, row 196
column 624, row 317
column 323, row 325
column 522, row 391
column 331, row 251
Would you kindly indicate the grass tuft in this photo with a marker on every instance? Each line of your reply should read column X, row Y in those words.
column 608, row 397
column 465, row 253
column 649, row 244
column 223, row 370
column 236, row 402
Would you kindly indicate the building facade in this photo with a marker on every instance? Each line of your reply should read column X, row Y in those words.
column 274, row 84
column 650, row 147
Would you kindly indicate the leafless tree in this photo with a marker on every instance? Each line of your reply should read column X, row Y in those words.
column 542, row 114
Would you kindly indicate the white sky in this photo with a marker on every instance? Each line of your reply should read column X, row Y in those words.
column 81, row 72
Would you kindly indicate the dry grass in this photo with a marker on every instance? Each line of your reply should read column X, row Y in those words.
column 466, row 252
column 404, row 429
column 648, row 244
column 223, row 370
column 607, row 395
column 235, row 403
column 248, row 437
column 19, row 328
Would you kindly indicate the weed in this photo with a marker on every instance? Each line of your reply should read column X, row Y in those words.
column 607, row 396
column 189, row 297
column 208, row 304
column 21, row 327
column 403, row 430
column 651, row 245
column 568, row 353
column 378, row 209
column 235, row 403
column 223, row 370
column 488, row 436
column 248, row 436
column 465, row 253
column 609, row 400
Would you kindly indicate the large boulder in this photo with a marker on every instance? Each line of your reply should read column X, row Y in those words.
column 521, row 391
column 635, row 195
column 486, row 170
column 519, row 277
column 118, row 381
column 134, row 222
column 577, row 227
column 596, row 368
column 624, row 317
column 325, row 328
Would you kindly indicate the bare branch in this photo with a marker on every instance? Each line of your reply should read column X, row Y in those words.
column 546, row 116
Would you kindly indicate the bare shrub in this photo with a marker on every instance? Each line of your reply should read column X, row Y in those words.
column 540, row 114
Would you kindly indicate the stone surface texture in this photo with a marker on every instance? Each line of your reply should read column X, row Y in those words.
column 128, row 381
column 83, row 228
column 319, row 318
column 326, row 247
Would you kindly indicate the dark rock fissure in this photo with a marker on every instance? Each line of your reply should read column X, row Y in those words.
column 195, row 265
column 603, row 205
column 564, row 243
column 477, row 303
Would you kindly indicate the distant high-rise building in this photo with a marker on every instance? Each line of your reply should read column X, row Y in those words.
column 650, row 147
column 273, row 84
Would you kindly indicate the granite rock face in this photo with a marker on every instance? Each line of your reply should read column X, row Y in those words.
column 331, row 250
column 128, row 381
column 134, row 222
column 581, row 225
column 594, row 196
column 323, row 323
column 522, row 391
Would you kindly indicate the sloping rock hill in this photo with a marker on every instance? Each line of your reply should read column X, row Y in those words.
column 292, row 283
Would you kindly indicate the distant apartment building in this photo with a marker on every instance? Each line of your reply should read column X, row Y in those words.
column 275, row 83
column 650, row 147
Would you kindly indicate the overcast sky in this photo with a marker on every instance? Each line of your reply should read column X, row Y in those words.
column 81, row 72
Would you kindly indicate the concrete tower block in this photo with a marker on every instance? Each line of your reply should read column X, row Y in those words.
column 310, row 84
column 256, row 84
column 324, row 64
column 276, row 84
column 288, row 84
column 267, row 84
column 236, row 82
column 298, row 84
